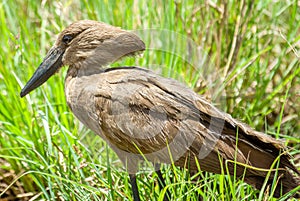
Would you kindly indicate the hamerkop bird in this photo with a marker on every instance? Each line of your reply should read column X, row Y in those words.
column 139, row 112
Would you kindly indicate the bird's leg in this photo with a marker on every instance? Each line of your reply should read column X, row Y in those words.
column 135, row 190
column 161, row 182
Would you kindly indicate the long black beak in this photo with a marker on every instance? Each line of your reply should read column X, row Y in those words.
column 51, row 63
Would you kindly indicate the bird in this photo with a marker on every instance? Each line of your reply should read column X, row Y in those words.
column 141, row 114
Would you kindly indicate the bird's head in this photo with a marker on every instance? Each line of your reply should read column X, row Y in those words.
column 85, row 42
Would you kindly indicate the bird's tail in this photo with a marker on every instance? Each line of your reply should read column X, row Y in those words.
column 260, row 162
column 285, row 181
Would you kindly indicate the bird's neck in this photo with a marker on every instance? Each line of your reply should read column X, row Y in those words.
column 84, row 69
column 77, row 72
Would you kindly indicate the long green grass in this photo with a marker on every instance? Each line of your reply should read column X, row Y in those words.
column 46, row 154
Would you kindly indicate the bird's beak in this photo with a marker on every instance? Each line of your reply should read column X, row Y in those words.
column 51, row 63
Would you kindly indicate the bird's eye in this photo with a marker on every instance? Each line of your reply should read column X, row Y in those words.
column 67, row 39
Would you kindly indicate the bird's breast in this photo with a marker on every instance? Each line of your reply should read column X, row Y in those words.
column 80, row 99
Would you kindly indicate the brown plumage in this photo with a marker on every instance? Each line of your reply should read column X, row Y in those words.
column 136, row 110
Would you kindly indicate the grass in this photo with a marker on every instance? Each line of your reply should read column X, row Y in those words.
column 249, row 67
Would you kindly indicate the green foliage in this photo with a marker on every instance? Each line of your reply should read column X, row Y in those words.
column 46, row 154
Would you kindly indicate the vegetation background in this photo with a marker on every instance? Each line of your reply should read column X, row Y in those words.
column 45, row 154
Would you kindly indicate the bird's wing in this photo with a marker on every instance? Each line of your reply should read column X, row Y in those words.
column 146, row 113
column 141, row 112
